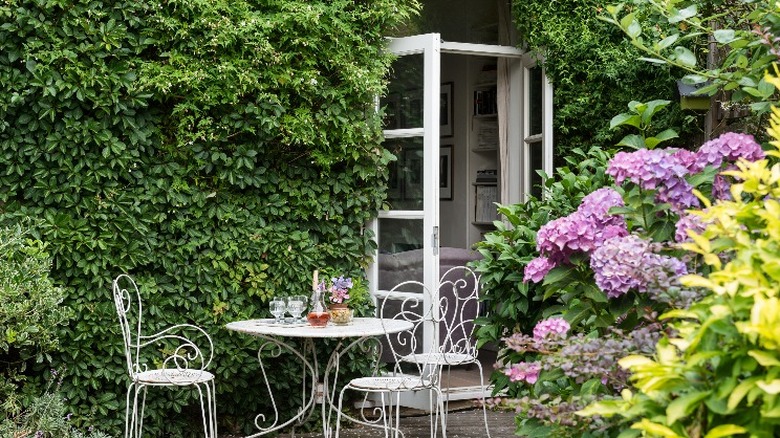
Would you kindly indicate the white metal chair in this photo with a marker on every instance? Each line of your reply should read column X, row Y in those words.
column 458, row 307
column 184, row 363
column 391, row 384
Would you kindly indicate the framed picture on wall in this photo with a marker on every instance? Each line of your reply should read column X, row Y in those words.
column 445, row 173
column 445, row 110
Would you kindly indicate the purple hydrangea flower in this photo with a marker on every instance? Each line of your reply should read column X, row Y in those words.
column 553, row 327
column 598, row 203
column 730, row 146
column 583, row 230
column 614, row 264
column 659, row 273
column 626, row 263
column 559, row 238
column 658, row 169
column 524, row 371
column 687, row 222
column 536, row 269
column 688, row 159
column 647, row 168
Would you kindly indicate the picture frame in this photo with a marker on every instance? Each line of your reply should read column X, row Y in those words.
column 445, row 109
column 445, row 173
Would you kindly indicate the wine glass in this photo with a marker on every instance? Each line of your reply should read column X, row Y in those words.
column 295, row 307
column 278, row 309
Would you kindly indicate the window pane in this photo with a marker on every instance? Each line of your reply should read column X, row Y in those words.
column 405, row 186
column 399, row 235
column 536, row 158
column 535, row 90
column 403, row 104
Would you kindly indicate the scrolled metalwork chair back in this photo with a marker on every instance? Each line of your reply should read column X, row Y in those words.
column 187, row 353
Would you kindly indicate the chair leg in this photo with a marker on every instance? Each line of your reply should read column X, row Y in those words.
column 129, row 424
column 140, row 416
column 206, row 425
column 213, row 408
column 484, row 407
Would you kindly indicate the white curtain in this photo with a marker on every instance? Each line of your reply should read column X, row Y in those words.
column 503, row 92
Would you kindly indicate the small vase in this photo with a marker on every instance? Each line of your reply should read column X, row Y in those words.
column 318, row 315
column 340, row 314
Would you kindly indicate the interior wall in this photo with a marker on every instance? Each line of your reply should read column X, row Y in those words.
column 453, row 214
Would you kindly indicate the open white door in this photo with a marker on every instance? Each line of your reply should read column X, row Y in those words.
column 408, row 232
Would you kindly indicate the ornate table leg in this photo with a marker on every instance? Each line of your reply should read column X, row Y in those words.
column 273, row 347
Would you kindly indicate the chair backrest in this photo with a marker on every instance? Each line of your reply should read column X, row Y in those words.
column 127, row 301
column 192, row 353
column 458, row 309
column 417, row 309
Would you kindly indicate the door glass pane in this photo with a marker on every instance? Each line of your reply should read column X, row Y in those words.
column 403, row 105
column 400, row 251
column 535, row 89
column 405, row 187
column 536, row 158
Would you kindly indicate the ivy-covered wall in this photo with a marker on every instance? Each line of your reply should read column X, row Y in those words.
column 217, row 150
column 595, row 71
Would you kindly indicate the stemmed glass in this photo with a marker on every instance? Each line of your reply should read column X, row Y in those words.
column 296, row 305
column 278, row 309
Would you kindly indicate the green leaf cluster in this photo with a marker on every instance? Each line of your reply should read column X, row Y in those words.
column 715, row 43
column 515, row 305
column 218, row 151
column 717, row 371
column 30, row 313
column 594, row 70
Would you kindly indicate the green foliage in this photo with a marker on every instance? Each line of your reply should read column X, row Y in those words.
column 715, row 373
column 640, row 116
column 30, row 314
column 47, row 417
column 683, row 35
column 515, row 305
column 217, row 151
column 594, row 70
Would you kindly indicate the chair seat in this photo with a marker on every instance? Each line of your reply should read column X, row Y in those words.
column 171, row 376
column 391, row 383
column 440, row 358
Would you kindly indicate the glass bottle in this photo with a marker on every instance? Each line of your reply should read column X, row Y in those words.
column 318, row 313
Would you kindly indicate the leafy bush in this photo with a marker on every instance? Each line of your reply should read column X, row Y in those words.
column 46, row 417
column 218, row 151
column 516, row 305
column 715, row 373
column 30, row 314
column 594, row 70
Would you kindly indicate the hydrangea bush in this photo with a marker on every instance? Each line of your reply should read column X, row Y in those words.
column 715, row 374
column 613, row 265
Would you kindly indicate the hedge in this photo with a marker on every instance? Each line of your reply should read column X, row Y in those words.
column 216, row 150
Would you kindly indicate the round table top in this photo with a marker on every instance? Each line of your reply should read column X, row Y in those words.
column 360, row 327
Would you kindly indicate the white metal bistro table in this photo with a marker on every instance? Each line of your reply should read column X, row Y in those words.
column 362, row 333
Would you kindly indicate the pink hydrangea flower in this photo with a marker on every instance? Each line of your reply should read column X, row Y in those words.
column 524, row 371
column 730, row 146
column 554, row 327
column 536, row 269
column 663, row 170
